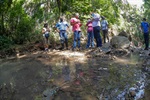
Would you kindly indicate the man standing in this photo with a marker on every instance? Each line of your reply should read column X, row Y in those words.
column 96, row 29
column 61, row 28
column 145, row 30
column 104, row 26
column 75, row 22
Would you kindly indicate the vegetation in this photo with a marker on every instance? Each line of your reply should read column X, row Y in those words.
column 22, row 20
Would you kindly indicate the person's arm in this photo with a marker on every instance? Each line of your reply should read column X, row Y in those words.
column 67, row 25
column 43, row 31
column 57, row 28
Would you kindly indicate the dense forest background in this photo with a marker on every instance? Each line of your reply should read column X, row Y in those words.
column 22, row 20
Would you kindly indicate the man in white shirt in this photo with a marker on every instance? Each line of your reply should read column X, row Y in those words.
column 96, row 28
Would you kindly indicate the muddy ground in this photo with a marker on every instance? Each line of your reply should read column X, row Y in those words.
column 66, row 75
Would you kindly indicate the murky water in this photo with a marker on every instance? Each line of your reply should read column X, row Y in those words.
column 85, row 79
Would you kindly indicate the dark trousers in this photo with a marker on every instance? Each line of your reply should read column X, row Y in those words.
column 97, row 36
column 105, row 35
column 146, row 40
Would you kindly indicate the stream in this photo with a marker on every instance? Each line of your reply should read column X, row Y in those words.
column 73, row 76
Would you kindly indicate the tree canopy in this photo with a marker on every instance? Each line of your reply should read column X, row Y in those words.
column 21, row 20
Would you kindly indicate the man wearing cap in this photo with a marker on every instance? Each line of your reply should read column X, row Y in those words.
column 61, row 28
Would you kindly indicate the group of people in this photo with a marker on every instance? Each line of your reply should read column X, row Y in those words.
column 93, row 31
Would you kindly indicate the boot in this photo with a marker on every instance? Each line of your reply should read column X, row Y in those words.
column 62, row 46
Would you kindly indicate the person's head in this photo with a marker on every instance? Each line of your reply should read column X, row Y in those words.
column 93, row 11
column 45, row 25
column 61, row 19
column 144, row 19
column 103, row 18
column 89, row 19
column 77, row 15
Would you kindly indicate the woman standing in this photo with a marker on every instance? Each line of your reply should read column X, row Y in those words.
column 46, row 32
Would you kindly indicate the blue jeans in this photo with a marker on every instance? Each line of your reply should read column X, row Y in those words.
column 97, row 36
column 63, row 36
column 77, row 36
column 146, row 40
column 90, row 40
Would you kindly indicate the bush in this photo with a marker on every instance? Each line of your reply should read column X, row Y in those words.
column 5, row 42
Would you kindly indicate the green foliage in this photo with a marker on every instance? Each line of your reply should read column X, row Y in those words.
column 146, row 9
column 23, row 19
column 5, row 42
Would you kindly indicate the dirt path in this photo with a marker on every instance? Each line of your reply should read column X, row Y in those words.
column 67, row 75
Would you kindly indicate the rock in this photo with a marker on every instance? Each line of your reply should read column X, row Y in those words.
column 132, row 91
column 106, row 48
column 120, row 42
column 123, row 33
column 139, row 95
column 49, row 93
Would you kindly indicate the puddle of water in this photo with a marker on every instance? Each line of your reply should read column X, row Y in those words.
column 29, row 75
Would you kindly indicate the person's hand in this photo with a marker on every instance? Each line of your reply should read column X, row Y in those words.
column 58, row 31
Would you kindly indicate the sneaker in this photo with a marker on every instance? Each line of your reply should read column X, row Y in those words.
column 67, row 48
column 73, row 49
column 46, row 49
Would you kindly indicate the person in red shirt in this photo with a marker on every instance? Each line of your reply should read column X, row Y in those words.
column 76, row 28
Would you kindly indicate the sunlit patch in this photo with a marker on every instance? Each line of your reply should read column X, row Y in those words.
column 21, row 56
column 78, row 56
column 126, row 61
column 71, row 54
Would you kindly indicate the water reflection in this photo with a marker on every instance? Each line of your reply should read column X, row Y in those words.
column 66, row 73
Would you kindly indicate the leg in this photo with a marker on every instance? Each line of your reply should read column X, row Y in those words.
column 75, row 39
column 104, row 36
column 46, row 43
column 98, row 37
column 92, row 39
column 66, row 39
column 95, row 36
column 107, row 35
column 78, row 38
column 61, row 39
column 88, row 41
column 146, row 40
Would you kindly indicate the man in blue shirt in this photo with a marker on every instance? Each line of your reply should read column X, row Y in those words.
column 145, row 30
column 61, row 28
